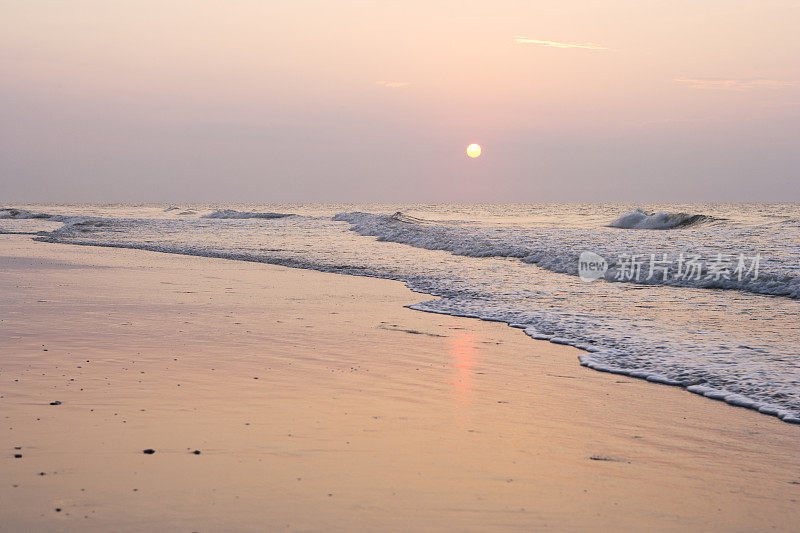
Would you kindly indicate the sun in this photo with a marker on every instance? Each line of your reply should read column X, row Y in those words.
column 474, row 150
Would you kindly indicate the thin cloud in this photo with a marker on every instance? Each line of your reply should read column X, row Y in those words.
column 780, row 104
column 554, row 44
column 393, row 84
column 732, row 84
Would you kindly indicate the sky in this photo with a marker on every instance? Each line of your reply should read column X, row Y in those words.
column 376, row 101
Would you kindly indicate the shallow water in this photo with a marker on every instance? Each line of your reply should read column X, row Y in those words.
column 730, row 332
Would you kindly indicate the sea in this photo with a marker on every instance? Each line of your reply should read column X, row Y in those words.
column 700, row 296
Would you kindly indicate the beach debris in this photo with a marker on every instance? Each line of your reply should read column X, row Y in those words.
column 17, row 456
column 196, row 452
column 149, row 451
column 55, row 403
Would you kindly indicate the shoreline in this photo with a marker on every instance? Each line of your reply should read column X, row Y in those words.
column 584, row 359
column 467, row 421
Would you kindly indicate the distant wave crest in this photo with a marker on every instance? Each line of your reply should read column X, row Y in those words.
column 10, row 212
column 641, row 219
column 232, row 213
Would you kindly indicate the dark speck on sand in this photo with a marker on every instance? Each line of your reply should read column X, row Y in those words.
column 606, row 458
column 55, row 403
column 149, row 451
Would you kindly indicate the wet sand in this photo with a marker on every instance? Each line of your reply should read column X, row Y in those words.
column 319, row 403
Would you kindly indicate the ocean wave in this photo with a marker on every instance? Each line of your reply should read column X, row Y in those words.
column 641, row 219
column 399, row 216
column 231, row 213
column 553, row 256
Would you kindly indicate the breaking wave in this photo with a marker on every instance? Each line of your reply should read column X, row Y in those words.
column 641, row 219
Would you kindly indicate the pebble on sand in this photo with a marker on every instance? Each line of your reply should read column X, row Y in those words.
column 149, row 451
column 55, row 403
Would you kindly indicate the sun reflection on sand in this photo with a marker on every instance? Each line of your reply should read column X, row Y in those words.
column 463, row 354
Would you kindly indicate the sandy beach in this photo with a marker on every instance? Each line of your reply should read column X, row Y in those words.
column 353, row 266
column 319, row 403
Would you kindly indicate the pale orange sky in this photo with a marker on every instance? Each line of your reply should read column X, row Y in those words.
column 335, row 101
